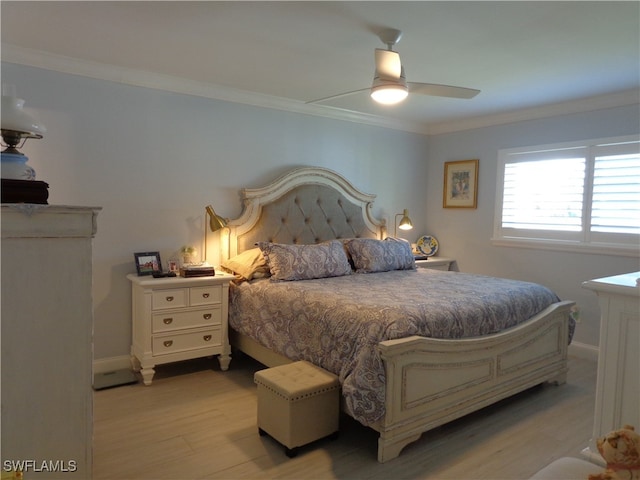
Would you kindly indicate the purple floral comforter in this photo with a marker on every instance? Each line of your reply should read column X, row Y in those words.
column 337, row 322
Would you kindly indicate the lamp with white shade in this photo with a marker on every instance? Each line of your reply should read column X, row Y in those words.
column 16, row 127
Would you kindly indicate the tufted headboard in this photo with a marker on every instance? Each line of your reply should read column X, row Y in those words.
column 307, row 205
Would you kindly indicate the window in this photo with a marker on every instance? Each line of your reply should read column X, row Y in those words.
column 571, row 196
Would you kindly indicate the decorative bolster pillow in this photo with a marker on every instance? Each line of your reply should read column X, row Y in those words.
column 305, row 262
column 249, row 264
column 370, row 255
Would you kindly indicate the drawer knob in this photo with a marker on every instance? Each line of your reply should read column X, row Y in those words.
column 169, row 299
column 167, row 321
column 206, row 338
column 205, row 295
column 168, row 343
column 207, row 316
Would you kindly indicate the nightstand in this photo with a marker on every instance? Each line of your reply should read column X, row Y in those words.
column 178, row 318
column 436, row 263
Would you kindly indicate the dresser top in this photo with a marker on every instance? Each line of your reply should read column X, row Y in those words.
column 625, row 284
column 27, row 220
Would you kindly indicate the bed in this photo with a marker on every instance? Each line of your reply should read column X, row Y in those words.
column 413, row 348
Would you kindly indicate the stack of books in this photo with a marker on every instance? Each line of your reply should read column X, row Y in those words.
column 24, row 191
column 201, row 270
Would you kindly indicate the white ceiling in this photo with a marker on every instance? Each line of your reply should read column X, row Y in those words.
column 521, row 55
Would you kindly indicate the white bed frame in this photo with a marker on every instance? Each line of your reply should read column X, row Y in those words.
column 429, row 381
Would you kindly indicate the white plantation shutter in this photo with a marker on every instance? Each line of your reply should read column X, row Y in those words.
column 544, row 194
column 616, row 194
column 585, row 195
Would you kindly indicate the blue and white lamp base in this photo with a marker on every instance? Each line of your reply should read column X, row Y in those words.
column 14, row 167
column 19, row 184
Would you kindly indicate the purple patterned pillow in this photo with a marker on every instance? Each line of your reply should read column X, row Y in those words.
column 370, row 255
column 305, row 262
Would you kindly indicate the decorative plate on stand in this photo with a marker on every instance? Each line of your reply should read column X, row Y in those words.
column 427, row 245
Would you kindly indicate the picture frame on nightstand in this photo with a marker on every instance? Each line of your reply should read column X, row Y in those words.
column 174, row 266
column 148, row 262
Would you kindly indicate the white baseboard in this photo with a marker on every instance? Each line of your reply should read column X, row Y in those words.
column 583, row 350
column 104, row 365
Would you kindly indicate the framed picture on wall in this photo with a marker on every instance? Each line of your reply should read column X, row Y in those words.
column 460, row 184
column 148, row 262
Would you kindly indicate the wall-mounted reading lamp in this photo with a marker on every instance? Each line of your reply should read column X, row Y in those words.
column 215, row 223
column 405, row 222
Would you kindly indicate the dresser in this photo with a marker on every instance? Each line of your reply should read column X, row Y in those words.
column 47, row 325
column 178, row 318
column 618, row 381
column 436, row 263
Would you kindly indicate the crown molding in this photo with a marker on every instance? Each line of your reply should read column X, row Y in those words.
column 141, row 78
column 600, row 102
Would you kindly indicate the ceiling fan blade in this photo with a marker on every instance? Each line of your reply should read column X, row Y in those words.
column 340, row 95
column 436, row 90
column 388, row 64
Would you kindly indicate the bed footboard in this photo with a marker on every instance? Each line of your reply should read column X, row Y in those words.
column 430, row 382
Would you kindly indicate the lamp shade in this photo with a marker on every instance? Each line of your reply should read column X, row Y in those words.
column 216, row 222
column 405, row 221
column 15, row 119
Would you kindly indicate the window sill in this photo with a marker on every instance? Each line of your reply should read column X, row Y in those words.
column 560, row 246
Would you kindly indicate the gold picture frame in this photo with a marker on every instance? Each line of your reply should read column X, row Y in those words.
column 460, row 184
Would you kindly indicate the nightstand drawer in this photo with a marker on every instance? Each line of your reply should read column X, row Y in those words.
column 169, row 321
column 186, row 341
column 169, row 298
column 207, row 295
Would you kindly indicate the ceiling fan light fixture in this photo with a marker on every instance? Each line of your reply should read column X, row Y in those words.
column 390, row 86
column 389, row 94
column 389, row 91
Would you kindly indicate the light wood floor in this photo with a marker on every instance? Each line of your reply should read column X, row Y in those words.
column 196, row 422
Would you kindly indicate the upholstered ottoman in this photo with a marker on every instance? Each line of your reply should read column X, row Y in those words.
column 298, row 403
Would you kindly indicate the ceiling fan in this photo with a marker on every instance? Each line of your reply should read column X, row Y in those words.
column 390, row 84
